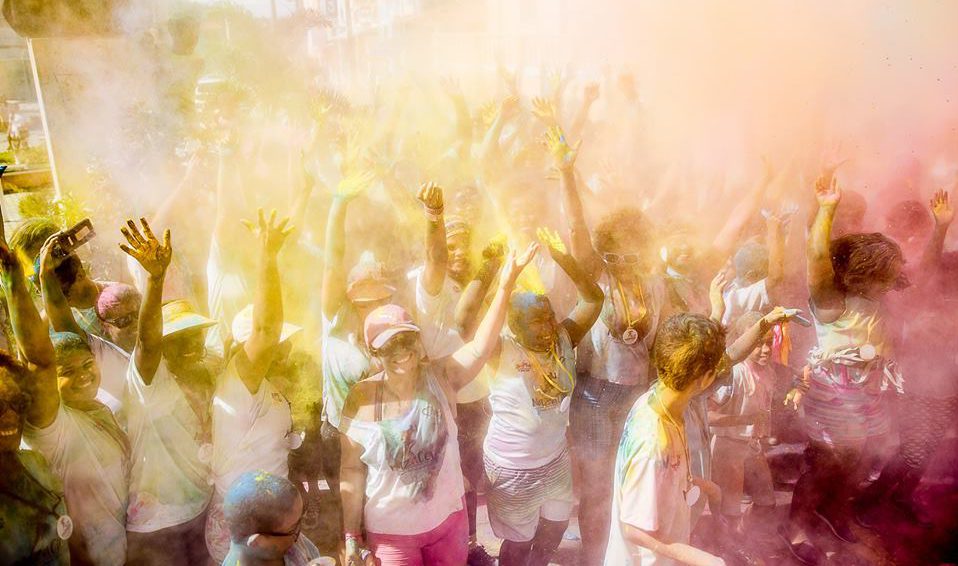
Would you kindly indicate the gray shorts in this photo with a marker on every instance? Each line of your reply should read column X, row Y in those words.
column 517, row 499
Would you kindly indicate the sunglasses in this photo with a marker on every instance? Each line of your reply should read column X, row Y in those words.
column 623, row 259
column 297, row 528
column 402, row 343
column 123, row 321
column 17, row 404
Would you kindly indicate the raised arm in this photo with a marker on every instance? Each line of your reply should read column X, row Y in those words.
column 725, row 240
column 470, row 303
column 465, row 363
column 55, row 302
column 589, row 95
column 943, row 214
column 257, row 354
column 33, row 338
column 748, row 341
column 334, row 269
column 775, row 242
column 155, row 259
column 453, row 90
column 589, row 305
column 563, row 157
column 489, row 151
column 434, row 275
column 821, row 275
column 717, row 296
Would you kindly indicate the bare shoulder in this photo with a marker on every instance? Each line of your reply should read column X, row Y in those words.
column 361, row 402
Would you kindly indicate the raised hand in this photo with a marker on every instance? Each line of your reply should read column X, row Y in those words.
column 516, row 263
column 563, row 156
column 509, row 107
column 544, row 110
column 354, row 184
column 781, row 314
column 552, row 240
column 487, row 113
column 451, row 87
column 430, row 195
column 146, row 249
column 591, row 93
column 496, row 248
column 827, row 191
column 509, row 78
column 941, row 208
column 717, row 293
column 271, row 234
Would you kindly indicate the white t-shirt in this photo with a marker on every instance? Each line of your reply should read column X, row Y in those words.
column 527, row 430
column 113, row 363
column 169, row 484
column 740, row 300
column 228, row 294
column 89, row 453
column 343, row 364
column 749, row 391
column 437, row 321
column 651, row 476
column 250, row 430
column 414, row 479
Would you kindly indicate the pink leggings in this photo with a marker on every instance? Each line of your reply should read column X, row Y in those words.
column 446, row 545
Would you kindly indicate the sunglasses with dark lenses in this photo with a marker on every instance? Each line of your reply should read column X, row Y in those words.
column 123, row 321
column 401, row 343
column 624, row 259
column 17, row 404
column 297, row 528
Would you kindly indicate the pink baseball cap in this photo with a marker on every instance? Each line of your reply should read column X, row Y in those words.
column 384, row 323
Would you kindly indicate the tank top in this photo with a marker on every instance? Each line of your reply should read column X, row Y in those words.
column 413, row 476
column 604, row 355
column 861, row 323
column 530, row 394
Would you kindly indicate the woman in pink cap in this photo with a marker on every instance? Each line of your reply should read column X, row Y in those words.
column 400, row 452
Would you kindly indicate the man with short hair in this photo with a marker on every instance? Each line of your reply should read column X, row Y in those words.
column 654, row 489
column 264, row 513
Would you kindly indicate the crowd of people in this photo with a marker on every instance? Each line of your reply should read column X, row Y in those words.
column 524, row 328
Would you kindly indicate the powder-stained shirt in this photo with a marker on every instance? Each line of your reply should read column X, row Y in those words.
column 90, row 455
column 171, row 452
column 651, row 476
column 343, row 362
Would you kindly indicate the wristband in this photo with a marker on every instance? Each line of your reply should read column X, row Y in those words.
column 434, row 214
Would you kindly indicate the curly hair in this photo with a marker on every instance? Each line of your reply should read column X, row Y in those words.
column 18, row 373
column 625, row 230
column 30, row 236
column 687, row 347
column 861, row 259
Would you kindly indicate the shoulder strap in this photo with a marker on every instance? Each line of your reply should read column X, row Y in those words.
column 380, row 385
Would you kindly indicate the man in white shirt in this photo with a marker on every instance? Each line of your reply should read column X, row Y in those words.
column 264, row 513
column 653, row 490
column 167, row 407
column 251, row 415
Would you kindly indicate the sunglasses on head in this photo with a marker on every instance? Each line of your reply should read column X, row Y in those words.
column 17, row 404
column 623, row 259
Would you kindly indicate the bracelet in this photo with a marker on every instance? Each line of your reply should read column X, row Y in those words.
column 434, row 214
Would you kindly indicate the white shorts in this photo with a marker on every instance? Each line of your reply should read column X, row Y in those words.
column 517, row 499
